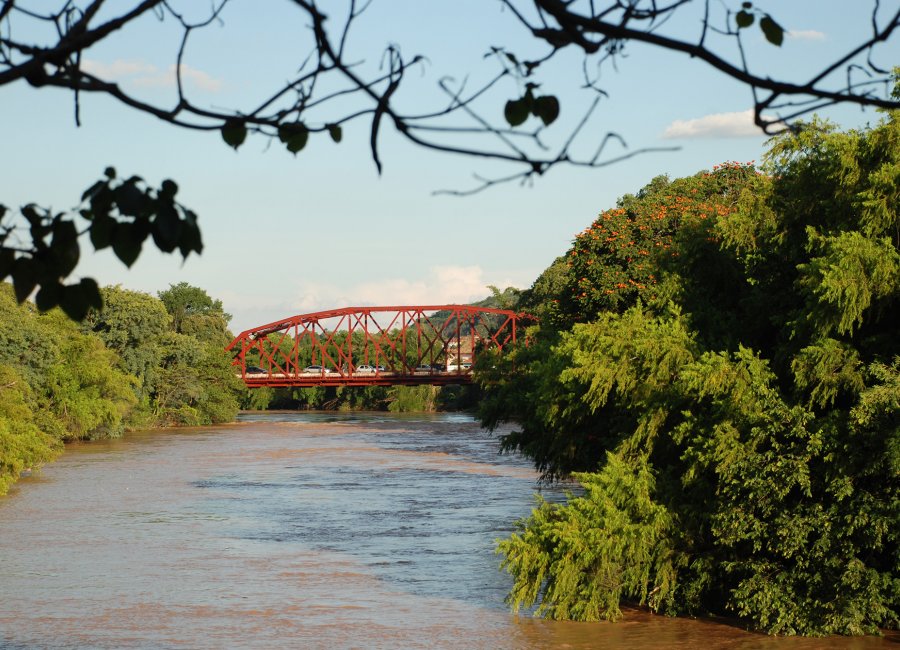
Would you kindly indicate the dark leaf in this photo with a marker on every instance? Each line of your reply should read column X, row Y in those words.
column 92, row 190
column 335, row 131
column 101, row 201
column 7, row 259
column 102, row 232
column 294, row 135
column 234, row 132
column 24, row 278
column 127, row 241
column 91, row 293
column 546, row 107
column 38, row 225
column 77, row 299
column 31, row 214
column 744, row 19
column 166, row 228
column 141, row 229
column 190, row 237
column 48, row 296
column 773, row 31
column 73, row 303
column 516, row 111
column 65, row 247
column 130, row 200
column 168, row 189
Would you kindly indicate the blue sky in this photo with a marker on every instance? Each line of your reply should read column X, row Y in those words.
column 285, row 234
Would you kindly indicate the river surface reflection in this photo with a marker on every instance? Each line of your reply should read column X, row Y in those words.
column 293, row 530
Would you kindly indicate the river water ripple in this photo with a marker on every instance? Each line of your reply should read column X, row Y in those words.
column 293, row 530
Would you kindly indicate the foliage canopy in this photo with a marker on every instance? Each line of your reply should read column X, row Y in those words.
column 732, row 407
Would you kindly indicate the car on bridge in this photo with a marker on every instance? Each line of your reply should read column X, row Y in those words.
column 317, row 370
column 365, row 369
column 255, row 370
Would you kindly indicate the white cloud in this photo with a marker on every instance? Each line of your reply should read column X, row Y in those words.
column 189, row 77
column 149, row 76
column 390, row 292
column 116, row 70
column 806, row 35
column 441, row 285
column 717, row 125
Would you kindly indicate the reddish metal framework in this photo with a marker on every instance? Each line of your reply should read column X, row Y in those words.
column 405, row 345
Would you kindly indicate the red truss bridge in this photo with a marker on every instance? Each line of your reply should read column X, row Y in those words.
column 373, row 346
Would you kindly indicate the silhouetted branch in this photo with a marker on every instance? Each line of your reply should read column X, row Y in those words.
column 329, row 91
column 561, row 23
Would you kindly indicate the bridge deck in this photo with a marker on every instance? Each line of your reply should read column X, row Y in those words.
column 435, row 378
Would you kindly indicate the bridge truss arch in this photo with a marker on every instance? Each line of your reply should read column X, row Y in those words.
column 374, row 346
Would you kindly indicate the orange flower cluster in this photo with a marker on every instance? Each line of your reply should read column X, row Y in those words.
column 613, row 261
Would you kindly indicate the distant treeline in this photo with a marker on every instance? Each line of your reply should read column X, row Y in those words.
column 397, row 399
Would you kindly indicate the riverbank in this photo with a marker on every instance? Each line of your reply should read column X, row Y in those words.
column 138, row 362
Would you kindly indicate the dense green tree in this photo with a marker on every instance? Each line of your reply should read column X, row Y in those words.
column 86, row 390
column 507, row 298
column 196, row 383
column 23, row 443
column 132, row 323
column 403, row 399
column 76, row 381
column 740, row 421
column 362, row 398
column 259, row 399
column 194, row 312
column 24, row 343
column 310, row 398
column 541, row 299
column 619, row 260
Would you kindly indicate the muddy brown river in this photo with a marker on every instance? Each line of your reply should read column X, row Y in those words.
column 294, row 530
